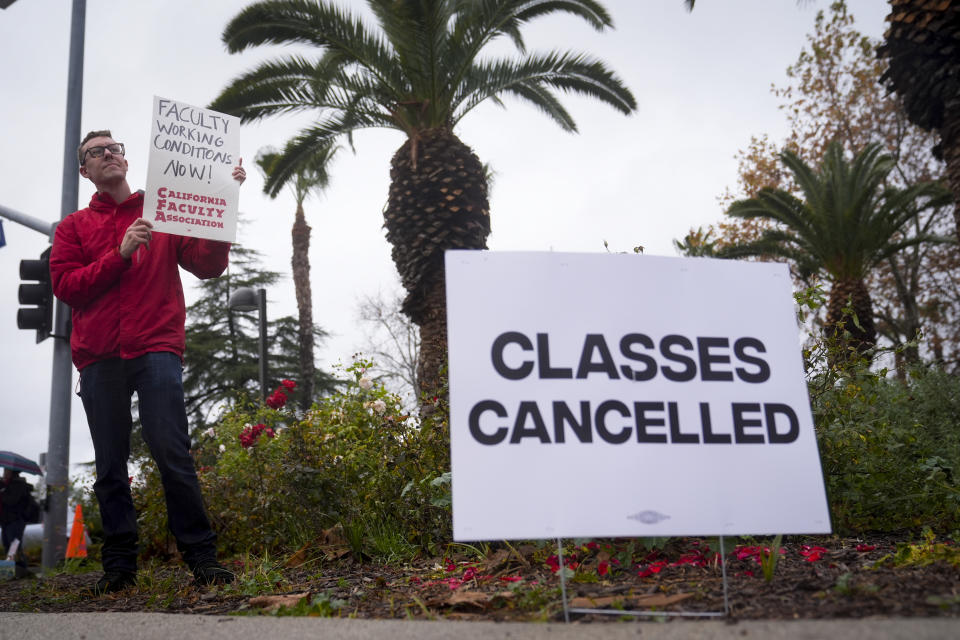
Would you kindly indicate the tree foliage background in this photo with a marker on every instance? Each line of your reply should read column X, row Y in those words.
column 835, row 93
column 222, row 355
column 392, row 344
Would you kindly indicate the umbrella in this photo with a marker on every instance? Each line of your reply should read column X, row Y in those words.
column 10, row 460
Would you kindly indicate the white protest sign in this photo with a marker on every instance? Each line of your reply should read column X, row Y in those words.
column 625, row 395
column 190, row 188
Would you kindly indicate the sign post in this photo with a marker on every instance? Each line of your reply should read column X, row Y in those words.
column 627, row 396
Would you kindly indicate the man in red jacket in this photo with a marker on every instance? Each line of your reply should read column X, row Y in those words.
column 122, row 283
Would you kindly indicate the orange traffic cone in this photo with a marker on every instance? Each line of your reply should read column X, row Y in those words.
column 77, row 545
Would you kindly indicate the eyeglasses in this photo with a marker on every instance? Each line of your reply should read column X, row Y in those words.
column 116, row 149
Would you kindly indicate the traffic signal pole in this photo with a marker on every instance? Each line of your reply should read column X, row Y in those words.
column 36, row 224
column 58, row 447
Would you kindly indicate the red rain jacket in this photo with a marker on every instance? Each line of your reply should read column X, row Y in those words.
column 125, row 308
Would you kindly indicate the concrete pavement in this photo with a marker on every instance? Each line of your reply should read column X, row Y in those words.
column 162, row 626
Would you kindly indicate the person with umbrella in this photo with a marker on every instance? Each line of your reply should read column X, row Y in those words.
column 16, row 505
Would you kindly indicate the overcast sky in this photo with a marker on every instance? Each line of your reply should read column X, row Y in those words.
column 702, row 81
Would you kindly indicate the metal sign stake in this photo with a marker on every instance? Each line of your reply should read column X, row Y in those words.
column 649, row 613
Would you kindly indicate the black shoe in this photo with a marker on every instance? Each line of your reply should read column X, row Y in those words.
column 212, row 572
column 114, row 581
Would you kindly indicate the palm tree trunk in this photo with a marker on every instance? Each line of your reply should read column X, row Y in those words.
column 437, row 201
column 433, row 338
column 854, row 334
column 301, row 283
column 950, row 146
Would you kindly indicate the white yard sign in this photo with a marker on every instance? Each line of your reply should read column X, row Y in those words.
column 626, row 395
column 190, row 188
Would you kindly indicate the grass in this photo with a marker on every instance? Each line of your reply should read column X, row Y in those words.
column 76, row 566
column 321, row 605
column 769, row 558
column 259, row 576
column 923, row 553
column 516, row 582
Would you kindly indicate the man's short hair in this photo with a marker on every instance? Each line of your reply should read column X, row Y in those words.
column 103, row 133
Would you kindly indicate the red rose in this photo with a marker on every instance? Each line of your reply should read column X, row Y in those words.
column 277, row 399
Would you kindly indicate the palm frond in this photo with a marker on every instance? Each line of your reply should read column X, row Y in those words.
column 847, row 221
column 544, row 100
column 309, row 152
column 320, row 24
column 311, row 174
column 272, row 88
column 419, row 66
column 592, row 12
column 568, row 72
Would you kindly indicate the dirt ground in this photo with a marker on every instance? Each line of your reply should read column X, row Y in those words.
column 826, row 577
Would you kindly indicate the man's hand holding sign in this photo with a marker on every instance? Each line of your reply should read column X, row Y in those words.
column 138, row 233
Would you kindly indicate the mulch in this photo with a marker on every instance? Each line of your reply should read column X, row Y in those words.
column 825, row 577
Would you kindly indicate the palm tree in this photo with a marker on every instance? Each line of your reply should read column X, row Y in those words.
column 309, row 176
column 698, row 243
column 923, row 49
column 846, row 223
column 419, row 71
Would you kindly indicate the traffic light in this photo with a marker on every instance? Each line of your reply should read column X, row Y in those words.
column 39, row 294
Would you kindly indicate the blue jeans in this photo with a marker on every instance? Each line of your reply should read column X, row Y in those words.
column 106, row 388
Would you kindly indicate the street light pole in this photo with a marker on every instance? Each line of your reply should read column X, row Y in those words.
column 58, row 447
column 246, row 299
column 262, row 304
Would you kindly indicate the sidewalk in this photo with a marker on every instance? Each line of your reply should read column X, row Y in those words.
column 161, row 626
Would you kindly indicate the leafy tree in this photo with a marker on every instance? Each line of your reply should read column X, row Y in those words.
column 309, row 177
column 922, row 47
column 418, row 70
column 222, row 353
column 834, row 93
column 392, row 343
column 846, row 223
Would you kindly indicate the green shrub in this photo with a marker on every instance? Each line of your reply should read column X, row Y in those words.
column 890, row 452
column 274, row 480
column 890, row 449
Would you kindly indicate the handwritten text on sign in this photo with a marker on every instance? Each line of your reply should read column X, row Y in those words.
column 625, row 395
column 190, row 188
